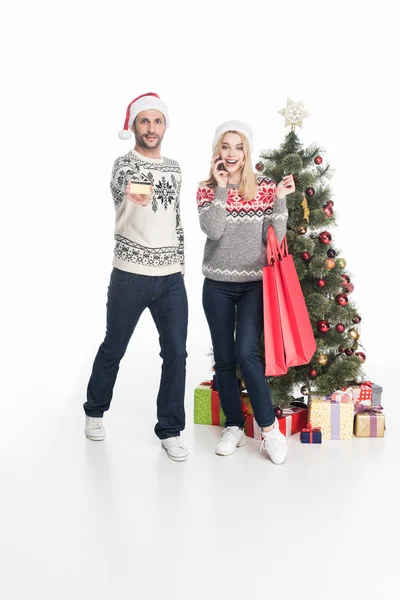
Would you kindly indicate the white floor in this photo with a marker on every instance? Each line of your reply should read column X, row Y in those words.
column 118, row 519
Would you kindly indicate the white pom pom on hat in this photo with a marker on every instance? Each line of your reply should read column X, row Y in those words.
column 238, row 126
column 148, row 101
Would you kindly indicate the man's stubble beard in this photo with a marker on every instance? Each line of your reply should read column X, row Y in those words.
column 141, row 142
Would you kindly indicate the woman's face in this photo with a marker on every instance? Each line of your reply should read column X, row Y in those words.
column 232, row 152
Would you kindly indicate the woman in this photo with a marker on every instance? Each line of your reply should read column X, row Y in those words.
column 235, row 212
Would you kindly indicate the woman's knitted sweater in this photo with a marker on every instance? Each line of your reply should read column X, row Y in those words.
column 236, row 230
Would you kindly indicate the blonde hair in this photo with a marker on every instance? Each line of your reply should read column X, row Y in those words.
column 248, row 180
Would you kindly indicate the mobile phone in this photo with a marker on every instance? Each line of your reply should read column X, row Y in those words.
column 221, row 166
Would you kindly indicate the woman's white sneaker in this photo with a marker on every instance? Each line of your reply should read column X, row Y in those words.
column 275, row 443
column 232, row 438
column 175, row 449
column 94, row 429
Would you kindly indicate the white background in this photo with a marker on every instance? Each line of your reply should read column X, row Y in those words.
column 69, row 71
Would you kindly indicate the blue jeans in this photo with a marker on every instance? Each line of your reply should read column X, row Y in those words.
column 223, row 303
column 129, row 295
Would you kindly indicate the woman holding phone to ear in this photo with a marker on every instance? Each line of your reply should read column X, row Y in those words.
column 235, row 210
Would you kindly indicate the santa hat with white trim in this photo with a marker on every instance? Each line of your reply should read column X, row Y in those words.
column 238, row 126
column 148, row 101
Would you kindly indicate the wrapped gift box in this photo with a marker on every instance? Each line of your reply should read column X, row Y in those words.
column 311, row 435
column 369, row 421
column 207, row 407
column 292, row 421
column 368, row 393
column 333, row 417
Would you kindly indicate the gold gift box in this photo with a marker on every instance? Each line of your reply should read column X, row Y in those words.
column 336, row 419
column 363, row 425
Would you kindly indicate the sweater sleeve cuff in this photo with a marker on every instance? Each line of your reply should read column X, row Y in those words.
column 280, row 205
column 221, row 194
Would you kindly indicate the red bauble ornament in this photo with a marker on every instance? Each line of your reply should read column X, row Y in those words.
column 306, row 256
column 361, row 356
column 321, row 283
column 328, row 210
column 329, row 203
column 349, row 351
column 340, row 328
column 310, row 192
column 278, row 412
column 331, row 253
column 313, row 372
column 341, row 349
column 357, row 319
column 318, row 160
column 259, row 166
column 325, row 237
column 346, row 279
column 342, row 299
column 323, row 326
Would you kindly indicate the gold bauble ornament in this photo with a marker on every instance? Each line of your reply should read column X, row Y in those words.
column 341, row 263
column 302, row 230
column 354, row 333
column 330, row 263
column 322, row 359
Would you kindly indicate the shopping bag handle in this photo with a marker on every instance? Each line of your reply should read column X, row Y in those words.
column 274, row 250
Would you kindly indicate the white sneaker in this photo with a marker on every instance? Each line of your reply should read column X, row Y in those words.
column 232, row 439
column 94, row 429
column 274, row 442
column 175, row 449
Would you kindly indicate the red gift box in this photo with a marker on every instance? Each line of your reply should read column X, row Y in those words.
column 292, row 421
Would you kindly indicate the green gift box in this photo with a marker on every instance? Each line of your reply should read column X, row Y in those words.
column 207, row 406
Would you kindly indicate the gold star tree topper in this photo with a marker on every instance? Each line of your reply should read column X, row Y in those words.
column 294, row 114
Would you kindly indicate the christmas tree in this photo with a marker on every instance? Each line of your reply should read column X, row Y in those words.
column 322, row 271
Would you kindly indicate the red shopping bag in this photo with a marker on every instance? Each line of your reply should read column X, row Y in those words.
column 296, row 331
column 275, row 362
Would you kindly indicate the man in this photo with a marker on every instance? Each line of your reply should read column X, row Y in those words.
column 147, row 272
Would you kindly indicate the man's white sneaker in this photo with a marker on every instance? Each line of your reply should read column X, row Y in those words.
column 175, row 449
column 274, row 442
column 94, row 429
column 232, row 439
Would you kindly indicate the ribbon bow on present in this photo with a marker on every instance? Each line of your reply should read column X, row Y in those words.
column 367, row 383
column 371, row 410
column 209, row 383
column 310, row 428
column 342, row 396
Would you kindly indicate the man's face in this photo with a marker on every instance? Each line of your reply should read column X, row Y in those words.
column 149, row 128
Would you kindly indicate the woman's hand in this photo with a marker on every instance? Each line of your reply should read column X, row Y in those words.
column 141, row 199
column 221, row 177
column 285, row 187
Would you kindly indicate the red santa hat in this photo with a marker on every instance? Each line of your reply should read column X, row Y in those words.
column 148, row 101
column 238, row 126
